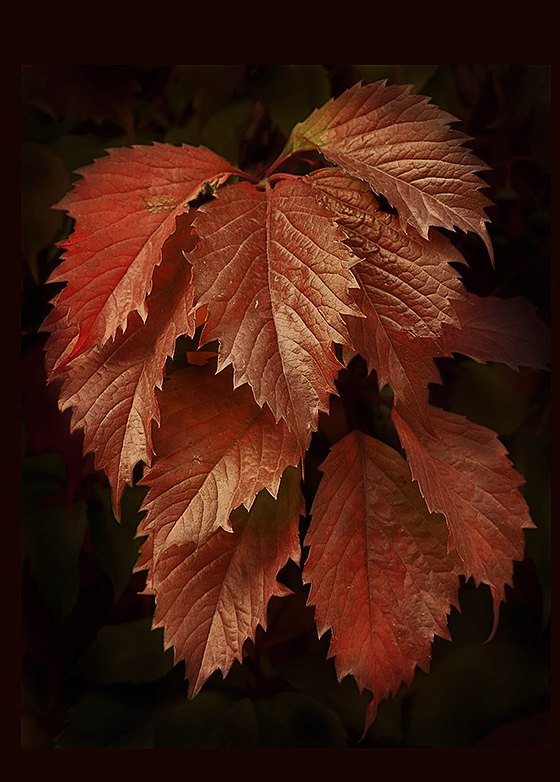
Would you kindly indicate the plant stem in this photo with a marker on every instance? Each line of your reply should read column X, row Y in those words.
column 277, row 163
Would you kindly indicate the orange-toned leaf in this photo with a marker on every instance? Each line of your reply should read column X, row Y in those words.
column 210, row 599
column 275, row 275
column 112, row 390
column 404, row 148
column 408, row 290
column 381, row 578
column 508, row 331
column 463, row 472
column 215, row 450
column 125, row 208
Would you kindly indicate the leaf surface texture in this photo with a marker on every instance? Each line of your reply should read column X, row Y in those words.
column 273, row 270
column 381, row 577
column 404, row 148
column 125, row 208
column 211, row 598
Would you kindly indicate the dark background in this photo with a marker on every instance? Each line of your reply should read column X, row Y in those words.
column 93, row 674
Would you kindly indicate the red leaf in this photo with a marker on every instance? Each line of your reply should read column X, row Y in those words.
column 381, row 578
column 273, row 270
column 112, row 391
column 463, row 472
column 403, row 147
column 62, row 339
column 408, row 290
column 215, row 450
column 211, row 599
column 125, row 208
column 414, row 287
column 503, row 330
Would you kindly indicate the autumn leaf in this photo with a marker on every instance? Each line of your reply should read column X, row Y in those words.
column 404, row 148
column 463, row 472
column 63, row 335
column 216, row 449
column 275, row 275
column 125, row 207
column 210, row 599
column 112, row 391
column 381, row 578
column 417, row 288
column 508, row 331
column 408, row 291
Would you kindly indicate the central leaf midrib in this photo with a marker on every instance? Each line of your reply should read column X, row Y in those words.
column 273, row 303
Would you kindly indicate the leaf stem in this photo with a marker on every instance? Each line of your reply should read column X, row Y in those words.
column 276, row 177
column 277, row 163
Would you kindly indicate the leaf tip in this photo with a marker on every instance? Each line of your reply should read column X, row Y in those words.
column 371, row 714
column 496, row 603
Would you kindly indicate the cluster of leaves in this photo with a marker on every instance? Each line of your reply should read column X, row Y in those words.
column 174, row 248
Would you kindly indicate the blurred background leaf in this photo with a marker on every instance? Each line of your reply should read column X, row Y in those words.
column 307, row 85
column 233, row 115
column 52, row 534
column 44, row 181
column 115, row 541
column 129, row 652
column 471, row 690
